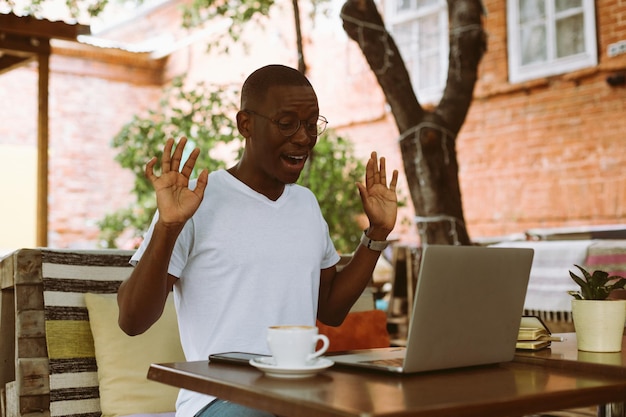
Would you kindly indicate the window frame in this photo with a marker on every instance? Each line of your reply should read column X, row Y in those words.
column 429, row 94
column 553, row 65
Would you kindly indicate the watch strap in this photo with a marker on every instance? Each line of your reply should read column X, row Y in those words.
column 377, row 245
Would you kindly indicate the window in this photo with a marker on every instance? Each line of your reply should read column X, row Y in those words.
column 549, row 37
column 420, row 29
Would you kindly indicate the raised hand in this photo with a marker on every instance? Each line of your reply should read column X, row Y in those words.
column 380, row 201
column 176, row 202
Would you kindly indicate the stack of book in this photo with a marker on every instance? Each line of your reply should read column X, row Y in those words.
column 534, row 334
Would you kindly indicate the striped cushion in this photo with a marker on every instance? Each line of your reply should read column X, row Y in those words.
column 609, row 256
column 66, row 277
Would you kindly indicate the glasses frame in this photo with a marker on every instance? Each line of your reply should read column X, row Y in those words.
column 321, row 121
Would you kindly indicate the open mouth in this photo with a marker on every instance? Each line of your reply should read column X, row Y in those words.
column 295, row 160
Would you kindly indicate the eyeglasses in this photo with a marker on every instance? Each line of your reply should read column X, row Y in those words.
column 289, row 125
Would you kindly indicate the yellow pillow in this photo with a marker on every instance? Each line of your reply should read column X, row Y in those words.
column 123, row 360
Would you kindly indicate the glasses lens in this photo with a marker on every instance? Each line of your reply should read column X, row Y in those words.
column 321, row 125
column 288, row 126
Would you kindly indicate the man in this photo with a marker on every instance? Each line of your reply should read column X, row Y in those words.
column 255, row 251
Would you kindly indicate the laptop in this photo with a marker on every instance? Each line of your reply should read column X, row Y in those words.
column 468, row 304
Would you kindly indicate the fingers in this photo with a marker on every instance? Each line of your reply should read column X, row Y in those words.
column 394, row 180
column 167, row 156
column 190, row 163
column 150, row 170
column 178, row 154
column 203, row 180
column 376, row 172
column 372, row 175
column 382, row 172
column 172, row 161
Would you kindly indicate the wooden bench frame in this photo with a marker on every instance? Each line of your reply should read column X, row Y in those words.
column 24, row 362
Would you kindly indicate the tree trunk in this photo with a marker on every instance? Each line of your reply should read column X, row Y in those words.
column 296, row 17
column 428, row 138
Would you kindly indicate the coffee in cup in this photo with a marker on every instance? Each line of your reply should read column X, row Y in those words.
column 294, row 346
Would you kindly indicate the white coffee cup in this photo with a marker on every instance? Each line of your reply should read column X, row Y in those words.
column 294, row 346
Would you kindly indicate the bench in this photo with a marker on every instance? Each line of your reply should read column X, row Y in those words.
column 53, row 365
column 48, row 357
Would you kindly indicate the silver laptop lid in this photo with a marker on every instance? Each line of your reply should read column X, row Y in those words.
column 468, row 304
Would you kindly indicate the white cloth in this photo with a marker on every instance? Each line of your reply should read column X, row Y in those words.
column 549, row 275
column 244, row 263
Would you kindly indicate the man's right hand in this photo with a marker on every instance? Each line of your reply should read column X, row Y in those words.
column 175, row 201
column 142, row 296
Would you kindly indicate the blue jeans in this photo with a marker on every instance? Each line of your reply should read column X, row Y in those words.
column 222, row 408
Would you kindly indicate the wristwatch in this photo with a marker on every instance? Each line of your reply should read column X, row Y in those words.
column 377, row 245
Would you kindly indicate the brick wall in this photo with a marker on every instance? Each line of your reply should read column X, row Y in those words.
column 85, row 182
column 550, row 152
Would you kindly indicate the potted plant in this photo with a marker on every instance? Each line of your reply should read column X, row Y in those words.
column 598, row 319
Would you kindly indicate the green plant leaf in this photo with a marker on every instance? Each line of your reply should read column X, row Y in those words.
column 596, row 286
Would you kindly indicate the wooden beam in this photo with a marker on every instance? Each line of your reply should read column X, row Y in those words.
column 9, row 62
column 30, row 26
column 42, row 152
column 23, row 45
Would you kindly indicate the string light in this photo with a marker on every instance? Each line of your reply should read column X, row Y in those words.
column 440, row 218
column 456, row 33
column 416, row 132
column 384, row 39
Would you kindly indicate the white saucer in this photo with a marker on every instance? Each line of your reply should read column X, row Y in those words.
column 268, row 365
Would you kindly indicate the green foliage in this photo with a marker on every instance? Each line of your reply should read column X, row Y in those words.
column 331, row 173
column 76, row 9
column 205, row 116
column 238, row 11
column 596, row 286
column 238, row 14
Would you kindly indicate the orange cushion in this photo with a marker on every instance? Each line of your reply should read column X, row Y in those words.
column 360, row 330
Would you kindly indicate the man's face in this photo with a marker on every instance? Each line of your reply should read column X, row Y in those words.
column 279, row 158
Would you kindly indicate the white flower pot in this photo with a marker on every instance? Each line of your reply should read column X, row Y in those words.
column 599, row 324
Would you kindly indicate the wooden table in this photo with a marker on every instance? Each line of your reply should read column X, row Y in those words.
column 511, row 389
column 565, row 355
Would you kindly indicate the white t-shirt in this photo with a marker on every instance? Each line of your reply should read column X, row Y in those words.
column 244, row 263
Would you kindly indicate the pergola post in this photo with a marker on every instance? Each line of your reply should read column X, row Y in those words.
column 42, row 151
column 22, row 39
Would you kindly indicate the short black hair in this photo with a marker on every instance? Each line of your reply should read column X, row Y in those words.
column 260, row 81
